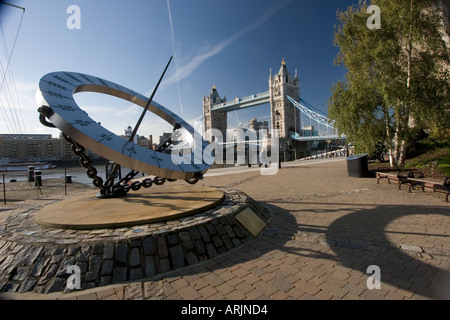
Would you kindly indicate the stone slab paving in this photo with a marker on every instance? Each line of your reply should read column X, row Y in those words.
column 327, row 229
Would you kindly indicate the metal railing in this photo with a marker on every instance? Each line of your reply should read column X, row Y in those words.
column 344, row 152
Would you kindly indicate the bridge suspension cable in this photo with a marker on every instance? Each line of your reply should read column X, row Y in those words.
column 311, row 114
column 9, row 98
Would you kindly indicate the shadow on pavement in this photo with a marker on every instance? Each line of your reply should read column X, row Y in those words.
column 357, row 240
column 366, row 230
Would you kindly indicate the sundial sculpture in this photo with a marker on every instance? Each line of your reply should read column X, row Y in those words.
column 126, row 221
column 59, row 110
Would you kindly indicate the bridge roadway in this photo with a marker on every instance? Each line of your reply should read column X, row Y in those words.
column 245, row 169
column 327, row 229
column 264, row 98
column 242, row 103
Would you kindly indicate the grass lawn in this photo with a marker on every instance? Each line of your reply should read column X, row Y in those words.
column 444, row 165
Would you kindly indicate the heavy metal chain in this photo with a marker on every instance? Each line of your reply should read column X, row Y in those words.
column 109, row 189
column 85, row 162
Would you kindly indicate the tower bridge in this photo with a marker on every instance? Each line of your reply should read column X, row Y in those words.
column 287, row 112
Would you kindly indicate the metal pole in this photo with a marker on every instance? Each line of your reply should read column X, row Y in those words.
column 148, row 104
column 279, row 153
column 131, row 138
column 12, row 5
column 65, row 181
column 4, row 190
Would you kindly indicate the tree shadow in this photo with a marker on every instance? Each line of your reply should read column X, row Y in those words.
column 366, row 230
column 358, row 240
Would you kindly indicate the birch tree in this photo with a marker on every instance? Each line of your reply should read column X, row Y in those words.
column 398, row 75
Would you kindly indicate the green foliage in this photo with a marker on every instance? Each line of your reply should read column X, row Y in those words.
column 427, row 145
column 363, row 126
column 394, row 74
column 444, row 166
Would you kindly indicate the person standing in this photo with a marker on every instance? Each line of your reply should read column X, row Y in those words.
column 262, row 157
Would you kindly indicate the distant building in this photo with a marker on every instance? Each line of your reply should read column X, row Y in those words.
column 256, row 125
column 253, row 125
column 128, row 131
column 144, row 142
column 43, row 147
column 164, row 137
column 139, row 140
column 231, row 135
column 33, row 147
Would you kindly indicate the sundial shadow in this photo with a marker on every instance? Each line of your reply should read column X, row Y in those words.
column 168, row 201
column 357, row 240
column 365, row 231
column 360, row 239
column 148, row 201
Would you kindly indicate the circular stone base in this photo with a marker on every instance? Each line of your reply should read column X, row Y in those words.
column 145, row 206
column 36, row 258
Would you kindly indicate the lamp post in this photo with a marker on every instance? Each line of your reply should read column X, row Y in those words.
column 278, row 118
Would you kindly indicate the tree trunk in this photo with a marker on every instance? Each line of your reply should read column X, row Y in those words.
column 406, row 117
column 389, row 139
column 395, row 151
column 397, row 141
column 391, row 158
column 402, row 156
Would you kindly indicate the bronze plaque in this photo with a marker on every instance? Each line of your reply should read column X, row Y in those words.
column 251, row 221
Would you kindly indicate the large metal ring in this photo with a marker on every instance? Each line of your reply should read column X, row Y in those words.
column 58, row 88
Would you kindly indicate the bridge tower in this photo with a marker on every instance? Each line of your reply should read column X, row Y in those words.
column 284, row 116
column 214, row 119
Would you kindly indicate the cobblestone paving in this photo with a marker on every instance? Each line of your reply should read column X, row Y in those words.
column 36, row 258
column 326, row 230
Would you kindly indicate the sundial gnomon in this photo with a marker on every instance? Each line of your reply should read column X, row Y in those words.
column 60, row 110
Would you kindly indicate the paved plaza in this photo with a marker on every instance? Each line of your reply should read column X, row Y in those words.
column 326, row 230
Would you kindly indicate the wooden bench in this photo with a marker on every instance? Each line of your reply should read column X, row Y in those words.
column 387, row 176
column 415, row 179
column 401, row 177
column 435, row 186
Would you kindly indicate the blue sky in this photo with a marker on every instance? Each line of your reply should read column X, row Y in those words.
column 229, row 43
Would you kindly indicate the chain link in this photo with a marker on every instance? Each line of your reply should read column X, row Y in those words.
column 121, row 188
column 85, row 162
column 108, row 188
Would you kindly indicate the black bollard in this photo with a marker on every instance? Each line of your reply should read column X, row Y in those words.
column 30, row 173
column 38, row 178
